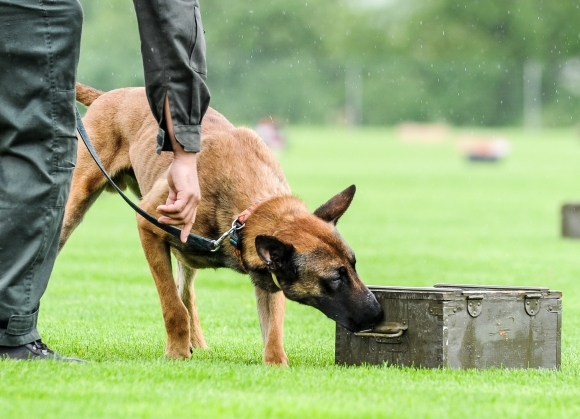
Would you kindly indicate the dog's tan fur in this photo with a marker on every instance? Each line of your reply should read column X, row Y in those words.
column 235, row 169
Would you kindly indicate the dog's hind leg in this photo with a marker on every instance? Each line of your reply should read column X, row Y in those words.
column 174, row 312
column 86, row 187
column 88, row 182
column 271, row 313
column 185, row 280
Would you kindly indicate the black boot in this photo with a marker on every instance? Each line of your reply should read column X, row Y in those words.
column 33, row 351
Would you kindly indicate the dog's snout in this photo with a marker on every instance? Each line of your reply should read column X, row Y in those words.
column 374, row 320
column 380, row 313
column 370, row 315
column 375, row 313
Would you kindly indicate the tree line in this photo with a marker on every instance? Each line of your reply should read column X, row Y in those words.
column 377, row 62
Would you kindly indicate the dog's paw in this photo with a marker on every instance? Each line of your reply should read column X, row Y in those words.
column 276, row 359
column 198, row 342
column 178, row 353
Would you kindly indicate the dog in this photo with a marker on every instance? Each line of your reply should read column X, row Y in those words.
column 287, row 251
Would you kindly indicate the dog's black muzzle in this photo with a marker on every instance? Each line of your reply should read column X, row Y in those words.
column 355, row 312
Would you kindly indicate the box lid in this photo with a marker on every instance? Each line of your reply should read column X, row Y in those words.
column 442, row 291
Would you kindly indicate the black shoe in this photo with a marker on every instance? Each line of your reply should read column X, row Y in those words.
column 33, row 351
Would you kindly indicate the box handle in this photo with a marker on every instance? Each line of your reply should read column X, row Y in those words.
column 385, row 330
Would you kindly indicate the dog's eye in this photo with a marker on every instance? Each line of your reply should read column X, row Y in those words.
column 334, row 283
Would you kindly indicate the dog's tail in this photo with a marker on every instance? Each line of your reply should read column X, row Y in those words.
column 87, row 95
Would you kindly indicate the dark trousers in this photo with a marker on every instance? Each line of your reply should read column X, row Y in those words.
column 39, row 50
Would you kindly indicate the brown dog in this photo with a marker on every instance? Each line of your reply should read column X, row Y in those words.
column 283, row 247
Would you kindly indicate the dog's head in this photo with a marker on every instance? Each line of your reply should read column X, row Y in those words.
column 314, row 266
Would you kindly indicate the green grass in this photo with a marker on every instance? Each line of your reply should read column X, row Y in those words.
column 421, row 215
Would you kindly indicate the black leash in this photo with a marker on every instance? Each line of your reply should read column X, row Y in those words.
column 194, row 240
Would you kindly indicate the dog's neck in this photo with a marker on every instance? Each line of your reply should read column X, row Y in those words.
column 240, row 223
column 266, row 218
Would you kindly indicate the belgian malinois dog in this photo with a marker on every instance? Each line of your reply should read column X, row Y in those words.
column 287, row 251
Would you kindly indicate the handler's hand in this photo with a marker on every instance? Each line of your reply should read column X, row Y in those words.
column 184, row 193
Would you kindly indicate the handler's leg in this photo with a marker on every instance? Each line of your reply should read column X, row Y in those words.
column 39, row 50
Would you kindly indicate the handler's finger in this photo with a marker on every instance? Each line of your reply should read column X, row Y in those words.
column 181, row 210
column 170, row 221
column 187, row 226
column 178, row 208
column 172, row 210
column 169, row 207
column 186, row 230
column 176, row 218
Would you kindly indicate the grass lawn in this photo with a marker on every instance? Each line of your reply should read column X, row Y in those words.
column 421, row 215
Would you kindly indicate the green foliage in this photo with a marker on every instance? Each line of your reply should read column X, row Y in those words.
column 480, row 48
column 423, row 60
column 421, row 215
column 110, row 51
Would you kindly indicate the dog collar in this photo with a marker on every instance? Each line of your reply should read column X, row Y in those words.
column 275, row 279
column 239, row 223
column 236, row 236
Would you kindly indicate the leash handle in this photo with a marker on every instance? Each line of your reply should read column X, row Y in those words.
column 200, row 242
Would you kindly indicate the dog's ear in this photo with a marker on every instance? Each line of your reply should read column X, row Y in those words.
column 274, row 253
column 336, row 206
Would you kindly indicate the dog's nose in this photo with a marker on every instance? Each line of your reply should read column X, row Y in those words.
column 376, row 316
column 380, row 314
column 376, row 312
column 379, row 317
column 373, row 315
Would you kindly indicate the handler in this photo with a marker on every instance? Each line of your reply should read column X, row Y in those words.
column 39, row 52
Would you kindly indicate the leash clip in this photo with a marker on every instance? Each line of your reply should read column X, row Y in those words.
column 236, row 225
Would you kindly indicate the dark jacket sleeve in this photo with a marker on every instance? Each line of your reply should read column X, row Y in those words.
column 173, row 50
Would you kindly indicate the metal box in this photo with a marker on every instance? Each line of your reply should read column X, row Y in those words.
column 460, row 327
column 571, row 220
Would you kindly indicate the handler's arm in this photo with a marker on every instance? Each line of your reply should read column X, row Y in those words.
column 173, row 50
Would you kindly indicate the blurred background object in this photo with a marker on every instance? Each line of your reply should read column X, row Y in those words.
column 270, row 130
column 571, row 220
column 484, row 148
column 413, row 132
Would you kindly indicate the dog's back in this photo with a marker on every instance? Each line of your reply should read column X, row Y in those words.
column 235, row 167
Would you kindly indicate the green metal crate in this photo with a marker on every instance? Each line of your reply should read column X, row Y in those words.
column 460, row 326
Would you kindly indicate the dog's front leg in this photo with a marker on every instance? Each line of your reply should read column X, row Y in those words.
column 175, row 314
column 271, row 313
column 185, row 278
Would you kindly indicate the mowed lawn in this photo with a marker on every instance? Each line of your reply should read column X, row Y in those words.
column 421, row 215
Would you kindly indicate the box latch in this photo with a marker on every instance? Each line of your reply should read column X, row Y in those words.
column 532, row 303
column 474, row 306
